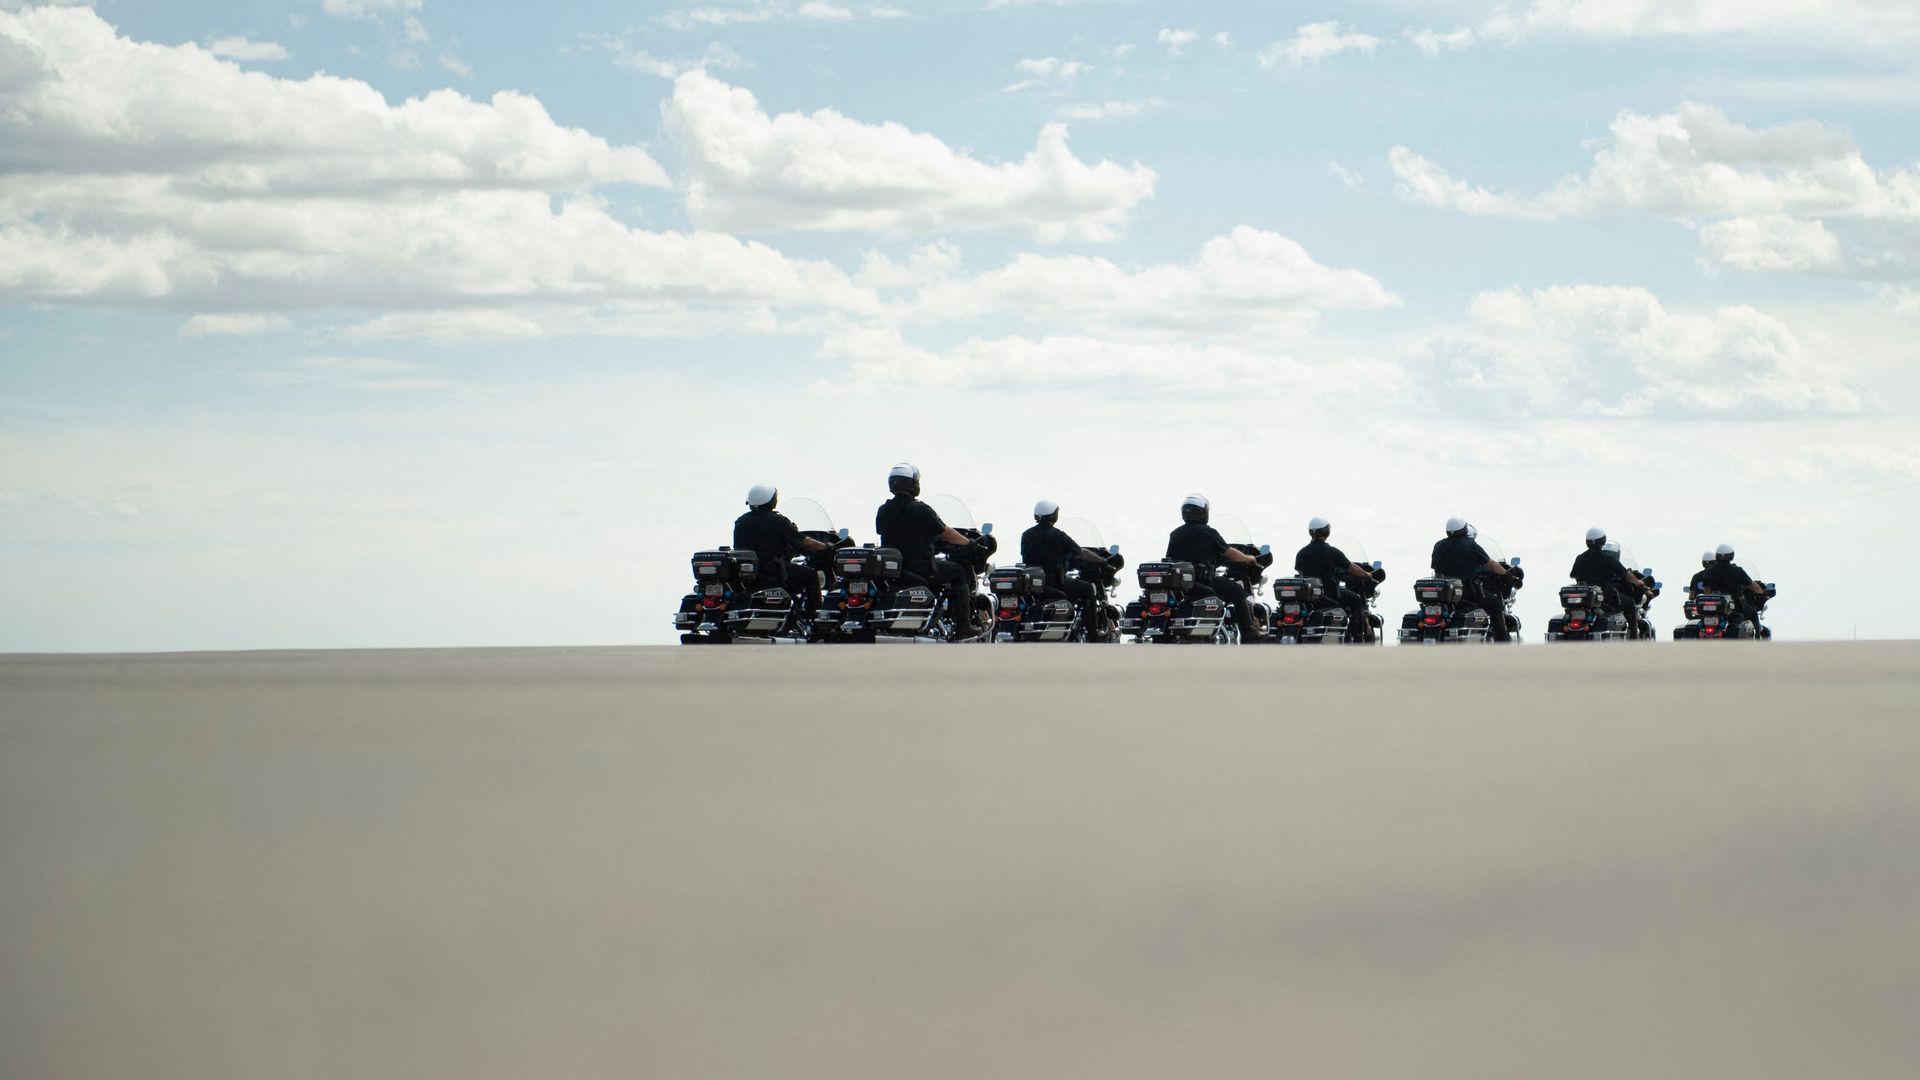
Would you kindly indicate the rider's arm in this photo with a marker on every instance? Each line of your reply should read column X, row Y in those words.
column 1497, row 568
column 808, row 543
column 1093, row 556
column 1636, row 579
column 1234, row 554
column 1758, row 589
column 1357, row 570
column 952, row 536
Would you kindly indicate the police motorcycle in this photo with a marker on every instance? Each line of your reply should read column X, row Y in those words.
column 1444, row 615
column 1307, row 612
column 1714, row 616
column 869, row 604
column 1587, row 613
column 729, row 601
column 1168, row 612
column 1026, row 610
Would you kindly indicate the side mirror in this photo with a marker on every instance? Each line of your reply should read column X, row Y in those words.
column 844, row 534
column 1515, row 561
column 1113, row 549
column 1646, row 571
column 986, row 529
column 1376, row 564
column 1265, row 550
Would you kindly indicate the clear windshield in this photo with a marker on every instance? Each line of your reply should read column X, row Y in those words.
column 808, row 515
column 1493, row 548
column 1628, row 559
column 1084, row 533
column 1230, row 528
column 1351, row 547
column 951, row 510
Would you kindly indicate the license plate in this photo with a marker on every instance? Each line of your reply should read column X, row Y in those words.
column 1158, row 598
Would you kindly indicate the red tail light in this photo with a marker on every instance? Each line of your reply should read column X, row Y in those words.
column 1576, row 624
column 1431, row 620
column 1290, row 618
column 1008, row 613
column 1157, row 609
column 711, row 602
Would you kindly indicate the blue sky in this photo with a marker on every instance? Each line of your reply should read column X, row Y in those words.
column 397, row 322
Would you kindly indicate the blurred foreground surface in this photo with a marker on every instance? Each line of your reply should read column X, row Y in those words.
column 1596, row 861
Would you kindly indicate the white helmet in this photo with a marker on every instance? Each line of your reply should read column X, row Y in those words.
column 904, row 479
column 1045, row 508
column 1596, row 533
column 760, row 495
column 1455, row 524
column 1610, row 548
column 1724, row 551
column 1195, row 500
column 904, row 471
column 1472, row 532
column 1317, row 524
column 1706, row 557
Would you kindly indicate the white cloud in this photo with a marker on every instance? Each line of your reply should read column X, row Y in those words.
column 242, row 48
column 456, row 65
column 1346, row 176
column 1047, row 71
column 234, row 325
column 1864, row 23
column 1770, row 242
column 1595, row 350
column 162, row 176
column 1247, row 284
column 758, row 11
column 925, row 265
column 749, row 172
column 1435, row 42
column 1223, row 39
column 1106, row 110
column 366, row 373
column 880, row 358
column 1315, row 42
column 1176, row 41
column 367, row 9
column 1783, row 187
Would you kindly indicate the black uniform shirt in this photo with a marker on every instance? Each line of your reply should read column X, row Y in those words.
column 1725, row 577
column 1321, row 560
column 1050, row 549
column 1597, row 566
column 912, row 526
column 1459, row 557
column 771, row 535
column 1697, row 583
column 1198, row 544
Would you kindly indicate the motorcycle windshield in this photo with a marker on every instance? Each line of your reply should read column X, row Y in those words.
column 1352, row 548
column 952, row 511
column 1492, row 548
column 1084, row 533
column 808, row 516
column 1231, row 529
column 1628, row 559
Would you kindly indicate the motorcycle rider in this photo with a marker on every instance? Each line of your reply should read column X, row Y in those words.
column 912, row 527
column 1198, row 543
column 1053, row 551
column 1695, row 584
column 1600, row 565
column 1320, row 559
column 1459, row 555
column 771, row 535
column 1725, row 576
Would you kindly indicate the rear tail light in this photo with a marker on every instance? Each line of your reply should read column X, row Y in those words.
column 1156, row 609
column 1430, row 620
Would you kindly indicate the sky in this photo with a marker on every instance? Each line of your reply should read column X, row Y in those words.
column 358, row 323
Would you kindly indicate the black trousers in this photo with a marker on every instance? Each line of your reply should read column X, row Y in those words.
column 1356, row 606
column 949, row 578
column 1233, row 593
column 1088, row 598
column 1489, row 600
